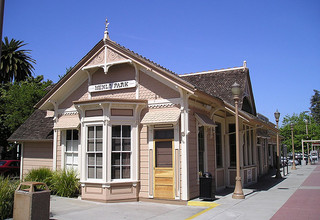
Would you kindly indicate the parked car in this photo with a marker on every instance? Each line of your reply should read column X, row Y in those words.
column 284, row 161
column 314, row 155
column 290, row 161
column 10, row 168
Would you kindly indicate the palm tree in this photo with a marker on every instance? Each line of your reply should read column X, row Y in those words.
column 16, row 63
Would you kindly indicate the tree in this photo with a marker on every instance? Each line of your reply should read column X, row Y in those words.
column 315, row 106
column 16, row 63
column 16, row 104
column 299, row 130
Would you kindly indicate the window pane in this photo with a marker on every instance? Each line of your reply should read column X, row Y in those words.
column 75, row 134
column 126, row 144
column 75, row 145
column 69, row 145
column 75, row 159
column 115, row 172
column 126, row 131
column 90, row 145
column 164, row 134
column 99, row 172
column 99, row 131
column 69, row 158
column 115, row 159
column 116, row 145
column 218, row 145
column 125, row 158
column 99, row 145
column 163, row 152
column 99, row 160
column 69, row 132
column 232, row 143
column 90, row 132
column 116, row 131
column 126, row 172
column 90, row 172
column 91, row 159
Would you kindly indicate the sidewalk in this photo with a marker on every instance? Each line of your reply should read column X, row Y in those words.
column 296, row 196
column 263, row 200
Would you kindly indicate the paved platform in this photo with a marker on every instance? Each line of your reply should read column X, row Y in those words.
column 295, row 196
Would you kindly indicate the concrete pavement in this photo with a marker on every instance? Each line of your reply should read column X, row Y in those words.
column 270, row 198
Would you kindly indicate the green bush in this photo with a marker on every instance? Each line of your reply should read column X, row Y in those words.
column 43, row 175
column 7, row 189
column 65, row 183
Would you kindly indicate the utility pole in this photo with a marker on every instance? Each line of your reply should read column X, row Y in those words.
column 1, row 23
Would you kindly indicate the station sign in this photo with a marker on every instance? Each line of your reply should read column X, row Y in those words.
column 112, row 86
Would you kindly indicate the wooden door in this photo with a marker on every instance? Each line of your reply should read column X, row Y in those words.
column 163, row 169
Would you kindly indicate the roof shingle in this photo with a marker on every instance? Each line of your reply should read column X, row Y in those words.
column 38, row 127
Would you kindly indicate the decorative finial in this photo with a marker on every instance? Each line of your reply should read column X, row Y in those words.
column 106, row 33
column 245, row 64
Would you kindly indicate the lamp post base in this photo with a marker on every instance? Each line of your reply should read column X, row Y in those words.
column 278, row 175
column 238, row 193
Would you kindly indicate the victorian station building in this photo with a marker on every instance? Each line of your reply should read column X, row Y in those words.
column 134, row 130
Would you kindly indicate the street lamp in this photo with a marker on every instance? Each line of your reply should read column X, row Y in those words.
column 277, row 116
column 238, row 193
column 307, row 142
column 293, row 157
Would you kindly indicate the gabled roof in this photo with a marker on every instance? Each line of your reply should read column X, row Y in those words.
column 38, row 127
column 218, row 84
column 143, row 60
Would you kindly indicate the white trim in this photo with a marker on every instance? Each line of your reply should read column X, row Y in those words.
column 184, row 145
column 21, row 161
column 212, row 71
column 106, row 65
column 54, row 162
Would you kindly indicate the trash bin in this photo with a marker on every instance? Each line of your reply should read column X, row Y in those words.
column 31, row 201
column 206, row 192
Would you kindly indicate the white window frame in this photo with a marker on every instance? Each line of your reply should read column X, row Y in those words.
column 102, row 152
column 72, row 152
column 121, row 152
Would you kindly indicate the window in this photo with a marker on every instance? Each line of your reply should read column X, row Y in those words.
column 121, row 152
column 201, row 149
column 219, row 145
column 232, row 144
column 94, row 152
column 163, row 147
column 71, row 152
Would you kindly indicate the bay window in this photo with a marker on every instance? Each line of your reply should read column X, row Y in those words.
column 94, row 152
column 121, row 152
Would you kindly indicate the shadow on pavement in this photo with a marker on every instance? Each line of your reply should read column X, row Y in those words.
column 264, row 183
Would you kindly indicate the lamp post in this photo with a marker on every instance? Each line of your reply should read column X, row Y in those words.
column 277, row 116
column 307, row 142
column 293, row 157
column 238, row 193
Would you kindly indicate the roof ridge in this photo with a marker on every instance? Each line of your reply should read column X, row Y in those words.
column 142, row 57
column 213, row 71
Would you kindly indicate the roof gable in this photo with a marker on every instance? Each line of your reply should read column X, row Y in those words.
column 218, row 84
column 95, row 59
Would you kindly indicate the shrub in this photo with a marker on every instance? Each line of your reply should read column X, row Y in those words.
column 65, row 183
column 43, row 175
column 7, row 189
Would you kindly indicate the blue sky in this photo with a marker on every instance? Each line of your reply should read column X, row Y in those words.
column 280, row 40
